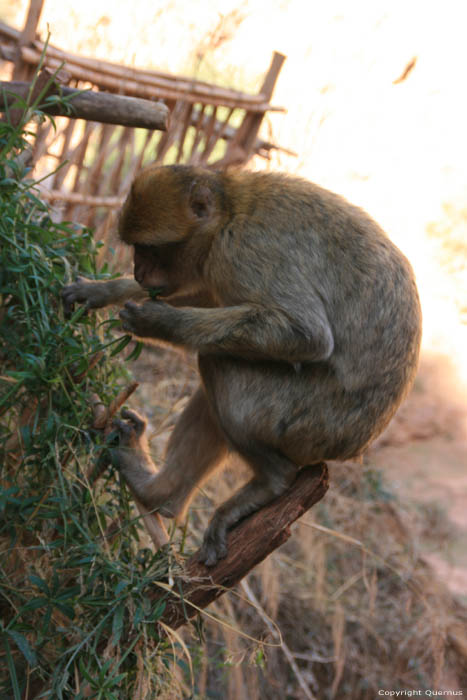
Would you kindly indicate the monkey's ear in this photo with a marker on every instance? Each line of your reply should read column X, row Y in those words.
column 201, row 201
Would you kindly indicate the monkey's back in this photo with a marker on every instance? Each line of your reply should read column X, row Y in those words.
column 313, row 246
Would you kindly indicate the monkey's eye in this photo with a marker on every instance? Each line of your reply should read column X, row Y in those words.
column 142, row 249
column 163, row 256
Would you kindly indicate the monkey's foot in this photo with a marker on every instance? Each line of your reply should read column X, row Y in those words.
column 214, row 545
column 132, row 427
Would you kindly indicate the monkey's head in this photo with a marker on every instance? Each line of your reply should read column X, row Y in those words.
column 170, row 217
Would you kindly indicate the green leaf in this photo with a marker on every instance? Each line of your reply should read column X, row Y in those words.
column 66, row 610
column 122, row 344
column 24, row 646
column 136, row 352
column 121, row 586
column 35, row 603
column 117, row 624
column 12, row 669
column 40, row 583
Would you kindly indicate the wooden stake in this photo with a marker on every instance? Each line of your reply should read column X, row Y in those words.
column 21, row 70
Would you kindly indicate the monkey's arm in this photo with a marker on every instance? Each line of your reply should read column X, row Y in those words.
column 247, row 330
column 97, row 294
column 201, row 299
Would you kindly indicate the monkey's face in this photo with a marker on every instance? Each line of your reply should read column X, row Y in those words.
column 168, row 217
column 156, row 267
column 155, row 212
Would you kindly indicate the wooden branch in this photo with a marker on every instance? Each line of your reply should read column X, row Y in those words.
column 85, row 199
column 96, row 106
column 154, row 526
column 42, row 86
column 102, row 418
column 251, row 541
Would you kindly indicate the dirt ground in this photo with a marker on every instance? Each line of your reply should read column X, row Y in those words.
column 423, row 454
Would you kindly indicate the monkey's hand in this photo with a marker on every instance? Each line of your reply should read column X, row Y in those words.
column 97, row 294
column 92, row 294
column 148, row 320
column 131, row 456
column 129, row 433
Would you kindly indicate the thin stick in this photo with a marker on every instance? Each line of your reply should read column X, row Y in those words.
column 27, row 36
column 154, row 525
column 85, row 199
column 102, row 418
column 121, row 398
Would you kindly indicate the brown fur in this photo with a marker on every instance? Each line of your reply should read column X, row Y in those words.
column 304, row 315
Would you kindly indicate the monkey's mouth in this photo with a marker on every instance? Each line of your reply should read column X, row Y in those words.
column 155, row 292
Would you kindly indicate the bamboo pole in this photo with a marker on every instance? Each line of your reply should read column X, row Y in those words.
column 135, row 164
column 78, row 161
column 110, row 181
column 82, row 199
column 21, row 70
column 242, row 146
column 211, row 138
column 60, row 175
column 8, row 32
column 185, row 121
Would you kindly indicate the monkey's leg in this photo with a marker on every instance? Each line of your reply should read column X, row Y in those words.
column 247, row 400
column 273, row 475
column 195, row 449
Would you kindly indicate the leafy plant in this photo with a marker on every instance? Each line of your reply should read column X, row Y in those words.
column 76, row 620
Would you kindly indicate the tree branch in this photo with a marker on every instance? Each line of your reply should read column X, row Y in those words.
column 251, row 541
column 95, row 106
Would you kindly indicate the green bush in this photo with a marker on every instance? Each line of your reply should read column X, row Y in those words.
column 75, row 619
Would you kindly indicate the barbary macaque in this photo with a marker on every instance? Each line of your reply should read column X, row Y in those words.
column 305, row 318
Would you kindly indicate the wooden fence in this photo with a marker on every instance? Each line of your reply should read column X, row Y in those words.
column 209, row 125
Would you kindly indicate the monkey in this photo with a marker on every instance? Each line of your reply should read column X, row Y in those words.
column 131, row 455
column 305, row 318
